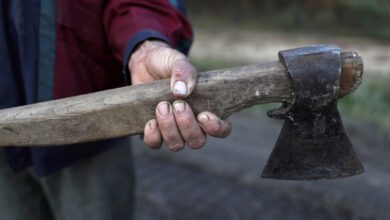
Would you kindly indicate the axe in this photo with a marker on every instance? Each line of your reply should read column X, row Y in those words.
column 308, row 81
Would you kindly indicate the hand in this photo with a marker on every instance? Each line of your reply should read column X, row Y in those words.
column 175, row 124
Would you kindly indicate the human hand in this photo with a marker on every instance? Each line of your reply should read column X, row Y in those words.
column 175, row 124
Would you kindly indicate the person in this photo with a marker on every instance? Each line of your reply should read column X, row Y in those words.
column 55, row 49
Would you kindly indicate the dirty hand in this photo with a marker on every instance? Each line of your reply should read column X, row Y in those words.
column 176, row 124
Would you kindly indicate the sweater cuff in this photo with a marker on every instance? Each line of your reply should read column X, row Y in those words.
column 138, row 38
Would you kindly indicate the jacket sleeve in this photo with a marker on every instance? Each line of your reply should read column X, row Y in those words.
column 129, row 22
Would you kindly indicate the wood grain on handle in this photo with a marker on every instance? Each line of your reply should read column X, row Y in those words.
column 125, row 111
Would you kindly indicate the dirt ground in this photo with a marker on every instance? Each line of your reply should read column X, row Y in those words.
column 222, row 180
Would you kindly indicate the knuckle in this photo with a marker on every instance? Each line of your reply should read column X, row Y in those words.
column 170, row 137
column 198, row 143
column 227, row 130
column 166, row 123
column 172, row 57
column 176, row 147
column 214, row 129
column 186, row 120
column 152, row 144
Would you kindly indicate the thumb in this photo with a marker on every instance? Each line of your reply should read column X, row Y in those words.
column 183, row 79
column 163, row 62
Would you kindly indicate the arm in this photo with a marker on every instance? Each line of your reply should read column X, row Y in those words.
column 128, row 23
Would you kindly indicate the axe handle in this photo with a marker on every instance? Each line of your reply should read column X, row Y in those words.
column 125, row 111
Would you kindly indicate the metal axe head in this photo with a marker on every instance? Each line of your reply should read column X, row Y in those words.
column 312, row 143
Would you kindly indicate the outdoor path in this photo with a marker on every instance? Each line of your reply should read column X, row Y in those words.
column 222, row 180
column 247, row 46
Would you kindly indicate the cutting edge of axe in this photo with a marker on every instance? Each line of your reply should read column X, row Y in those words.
column 125, row 111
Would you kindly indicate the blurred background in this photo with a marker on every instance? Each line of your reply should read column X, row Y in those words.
column 222, row 180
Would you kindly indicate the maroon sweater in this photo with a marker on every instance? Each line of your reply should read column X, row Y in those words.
column 96, row 37
column 94, row 40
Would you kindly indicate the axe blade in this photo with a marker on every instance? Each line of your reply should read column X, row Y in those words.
column 313, row 146
column 312, row 143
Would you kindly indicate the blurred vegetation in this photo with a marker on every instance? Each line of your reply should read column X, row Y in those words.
column 363, row 17
column 369, row 103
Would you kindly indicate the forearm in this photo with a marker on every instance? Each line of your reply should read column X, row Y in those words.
column 127, row 23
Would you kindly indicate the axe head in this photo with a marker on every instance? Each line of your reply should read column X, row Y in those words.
column 312, row 143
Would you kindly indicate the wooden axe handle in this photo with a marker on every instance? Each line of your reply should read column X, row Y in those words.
column 125, row 111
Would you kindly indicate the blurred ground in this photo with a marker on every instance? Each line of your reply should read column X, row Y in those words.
column 222, row 180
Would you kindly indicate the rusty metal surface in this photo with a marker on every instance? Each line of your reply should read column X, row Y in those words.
column 312, row 143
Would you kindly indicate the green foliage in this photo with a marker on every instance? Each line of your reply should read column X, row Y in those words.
column 370, row 102
column 374, row 8
column 203, row 65
column 368, row 16
column 365, row 17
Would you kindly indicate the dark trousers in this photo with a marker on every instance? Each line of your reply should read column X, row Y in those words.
column 99, row 188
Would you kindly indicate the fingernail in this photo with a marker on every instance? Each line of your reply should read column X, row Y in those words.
column 180, row 88
column 203, row 117
column 152, row 124
column 163, row 108
column 179, row 107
